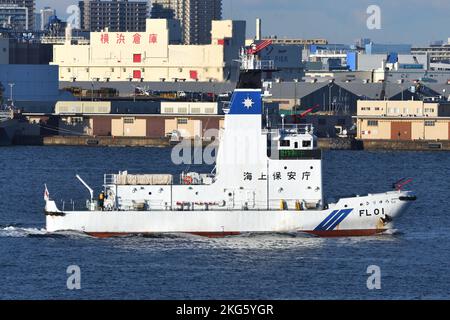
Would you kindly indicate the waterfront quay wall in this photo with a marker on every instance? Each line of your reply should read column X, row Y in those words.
column 323, row 143
column 92, row 141
column 406, row 145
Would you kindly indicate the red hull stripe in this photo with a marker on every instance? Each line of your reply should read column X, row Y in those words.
column 324, row 234
column 103, row 235
column 346, row 233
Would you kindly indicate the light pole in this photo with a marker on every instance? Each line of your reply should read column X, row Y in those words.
column 295, row 96
column 329, row 95
column 135, row 88
column 11, row 86
column 92, row 89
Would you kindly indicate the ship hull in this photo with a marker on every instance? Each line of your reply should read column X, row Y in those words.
column 361, row 216
column 7, row 132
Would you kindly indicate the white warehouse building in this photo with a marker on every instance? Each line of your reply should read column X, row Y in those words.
column 150, row 56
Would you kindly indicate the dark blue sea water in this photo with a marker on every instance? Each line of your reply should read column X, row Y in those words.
column 414, row 261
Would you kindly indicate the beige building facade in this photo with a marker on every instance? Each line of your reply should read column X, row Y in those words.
column 149, row 56
column 189, row 120
column 403, row 120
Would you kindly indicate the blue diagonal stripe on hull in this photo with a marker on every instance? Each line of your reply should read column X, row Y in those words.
column 332, row 221
column 322, row 225
column 343, row 215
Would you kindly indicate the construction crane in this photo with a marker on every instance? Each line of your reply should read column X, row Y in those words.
column 297, row 117
column 256, row 48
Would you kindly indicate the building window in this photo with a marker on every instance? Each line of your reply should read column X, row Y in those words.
column 193, row 74
column 372, row 123
column 430, row 123
column 182, row 121
column 128, row 120
column 137, row 74
column 75, row 120
column 285, row 143
column 137, row 58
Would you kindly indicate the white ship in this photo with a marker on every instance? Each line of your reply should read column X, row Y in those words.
column 268, row 178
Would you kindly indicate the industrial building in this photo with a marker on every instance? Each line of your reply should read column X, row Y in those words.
column 149, row 119
column 438, row 53
column 29, row 5
column 403, row 120
column 13, row 51
column 117, row 15
column 25, row 83
column 195, row 17
column 377, row 48
column 340, row 96
column 150, row 56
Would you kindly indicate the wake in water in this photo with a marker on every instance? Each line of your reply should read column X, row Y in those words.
column 18, row 232
column 22, row 232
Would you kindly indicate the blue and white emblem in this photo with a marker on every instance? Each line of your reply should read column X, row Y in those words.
column 246, row 102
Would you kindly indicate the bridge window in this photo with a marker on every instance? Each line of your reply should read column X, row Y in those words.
column 306, row 144
column 285, row 143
